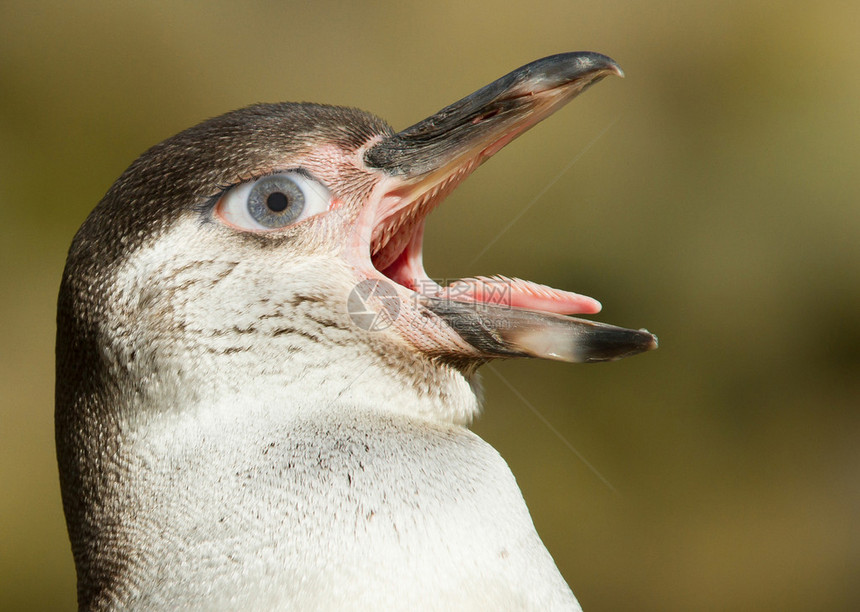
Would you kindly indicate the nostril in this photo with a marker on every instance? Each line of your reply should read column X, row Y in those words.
column 485, row 116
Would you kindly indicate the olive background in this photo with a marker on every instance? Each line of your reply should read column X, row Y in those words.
column 712, row 196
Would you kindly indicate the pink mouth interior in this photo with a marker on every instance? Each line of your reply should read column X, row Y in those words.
column 407, row 270
column 397, row 237
column 518, row 293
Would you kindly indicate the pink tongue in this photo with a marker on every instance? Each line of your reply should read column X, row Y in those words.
column 518, row 293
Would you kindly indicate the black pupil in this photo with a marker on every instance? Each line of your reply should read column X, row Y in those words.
column 277, row 202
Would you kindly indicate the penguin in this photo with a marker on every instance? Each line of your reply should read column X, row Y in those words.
column 262, row 399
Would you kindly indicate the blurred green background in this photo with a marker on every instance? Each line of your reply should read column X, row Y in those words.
column 713, row 196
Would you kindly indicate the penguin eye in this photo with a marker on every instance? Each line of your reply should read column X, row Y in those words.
column 272, row 202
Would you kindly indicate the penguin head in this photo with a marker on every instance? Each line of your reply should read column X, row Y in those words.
column 279, row 247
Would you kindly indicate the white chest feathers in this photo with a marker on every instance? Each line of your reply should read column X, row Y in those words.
column 369, row 512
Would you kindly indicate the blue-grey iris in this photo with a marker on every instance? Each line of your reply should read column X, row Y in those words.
column 276, row 201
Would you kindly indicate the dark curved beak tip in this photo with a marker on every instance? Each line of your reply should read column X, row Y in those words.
column 613, row 343
column 559, row 70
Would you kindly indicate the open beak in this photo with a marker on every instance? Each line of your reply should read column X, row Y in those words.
column 495, row 316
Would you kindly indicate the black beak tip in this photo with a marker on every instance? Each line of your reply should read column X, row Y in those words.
column 611, row 344
column 563, row 68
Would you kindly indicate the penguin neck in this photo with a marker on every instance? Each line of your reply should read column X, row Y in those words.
column 311, row 373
